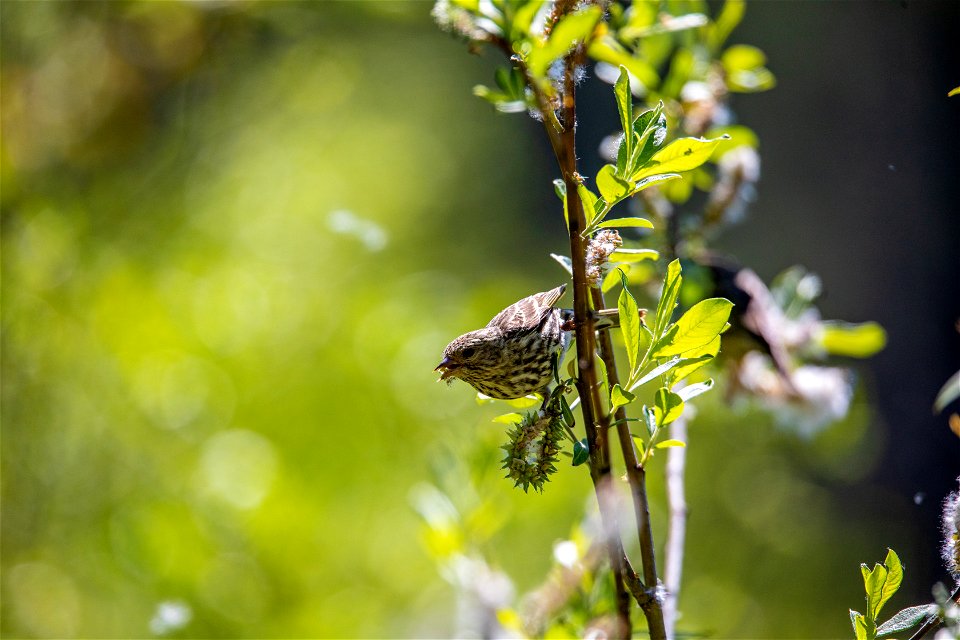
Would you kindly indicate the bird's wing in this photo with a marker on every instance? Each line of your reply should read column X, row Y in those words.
column 529, row 312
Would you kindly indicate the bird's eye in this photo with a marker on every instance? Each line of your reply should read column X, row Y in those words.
column 468, row 352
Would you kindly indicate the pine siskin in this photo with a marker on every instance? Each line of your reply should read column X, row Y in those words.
column 513, row 355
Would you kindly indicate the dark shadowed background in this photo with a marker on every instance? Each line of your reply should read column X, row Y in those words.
column 235, row 238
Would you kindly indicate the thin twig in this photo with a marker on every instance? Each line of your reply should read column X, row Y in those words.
column 637, row 479
column 677, row 531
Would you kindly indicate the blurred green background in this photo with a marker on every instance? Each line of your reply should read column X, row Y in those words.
column 236, row 237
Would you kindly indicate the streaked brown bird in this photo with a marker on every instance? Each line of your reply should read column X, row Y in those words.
column 513, row 355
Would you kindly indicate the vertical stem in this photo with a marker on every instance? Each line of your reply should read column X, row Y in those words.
column 638, row 488
column 595, row 422
column 676, row 534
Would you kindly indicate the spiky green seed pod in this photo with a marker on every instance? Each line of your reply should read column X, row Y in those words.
column 532, row 449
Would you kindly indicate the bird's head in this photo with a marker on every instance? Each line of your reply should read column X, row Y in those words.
column 472, row 356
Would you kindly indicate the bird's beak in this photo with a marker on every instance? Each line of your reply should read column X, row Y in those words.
column 447, row 369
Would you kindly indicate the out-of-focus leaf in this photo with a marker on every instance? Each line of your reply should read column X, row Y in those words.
column 667, row 24
column 692, row 391
column 701, row 323
column 509, row 418
column 666, row 444
column 525, row 402
column 667, row 406
column 643, row 223
column 852, row 340
column 680, row 155
column 633, row 255
column 742, row 56
column 629, row 322
column 607, row 49
column 572, row 29
column 728, row 18
column 949, row 392
column 954, row 92
column 745, row 71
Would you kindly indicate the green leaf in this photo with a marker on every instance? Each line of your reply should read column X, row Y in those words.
column 611, row 187
column 633, row 255
column 560, row 188
column 859, row 625
column 621, row 90
column 668, row 406
column 607, row 49
column 525, row 402
column 892, row 580
column 649, row 419
column 620, row 397
column 643, row 223
column 659, row 370
column 654, row 179
column 670, row 443
column 589, row 200
column 612, row 278
column 668, row 298
column 571, row 30
column 581, row 451
column 650, row 130
column 692, row 391
column 509, row 418
column 680, row 155
column 694, row 359
column 742, row 56
column 852, row 340
column 701, row 323
column 567, row 413
column 666, row 340
column 906, row 619
column 728, row 18
column 629, row 322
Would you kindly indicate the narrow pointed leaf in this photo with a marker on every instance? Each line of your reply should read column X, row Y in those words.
column 657, row 371
column 633, row 255
column 649, row 419
column 629, row 323
column 589, row 200
column 692, row 391
column 624, row 106
column 666, row 444
column 509, row 418
column 642, row 223
column 668, row 298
